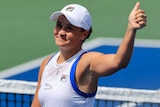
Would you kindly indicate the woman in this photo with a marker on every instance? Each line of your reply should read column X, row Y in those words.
column 70, row 77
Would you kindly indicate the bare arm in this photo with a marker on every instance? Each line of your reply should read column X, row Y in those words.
column 35, row 102
column 108, row 64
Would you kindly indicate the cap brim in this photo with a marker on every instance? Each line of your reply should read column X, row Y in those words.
column 55, row 15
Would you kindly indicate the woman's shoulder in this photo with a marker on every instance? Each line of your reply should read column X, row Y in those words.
column 46, row 60
column 88, row 57
column 91, row 55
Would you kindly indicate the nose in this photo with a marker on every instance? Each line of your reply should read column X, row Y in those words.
column 62, row 32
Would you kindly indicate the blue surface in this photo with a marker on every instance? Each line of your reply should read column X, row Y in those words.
column 31, row 75
column 141, row 73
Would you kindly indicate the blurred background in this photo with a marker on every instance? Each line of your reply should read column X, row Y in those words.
column 26, row 38
column 26, row 33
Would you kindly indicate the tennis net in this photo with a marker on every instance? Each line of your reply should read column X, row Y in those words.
column 15, row 93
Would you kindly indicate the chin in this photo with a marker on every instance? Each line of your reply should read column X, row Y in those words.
column 61, row 44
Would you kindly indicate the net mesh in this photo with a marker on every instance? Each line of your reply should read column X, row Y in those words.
column 15, row 100
column 14, row 93
column 125, row 97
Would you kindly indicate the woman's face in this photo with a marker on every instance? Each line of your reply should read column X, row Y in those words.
column 67, row 35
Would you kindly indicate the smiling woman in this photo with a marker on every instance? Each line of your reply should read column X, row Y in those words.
column 72, row 73
column 67, row 35
column 23, row 21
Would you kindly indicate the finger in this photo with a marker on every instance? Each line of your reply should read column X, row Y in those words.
column 141, row 15
column 140, row 19
column 136, row 7
column 139, row 12
column 142, row 23
column 144, row 16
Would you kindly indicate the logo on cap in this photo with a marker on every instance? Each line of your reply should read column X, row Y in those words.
column 70, row 9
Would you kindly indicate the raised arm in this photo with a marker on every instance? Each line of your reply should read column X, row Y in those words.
column 108, row 64
column 136, row 20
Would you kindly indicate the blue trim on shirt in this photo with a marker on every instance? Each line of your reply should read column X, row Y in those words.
column 72, row 78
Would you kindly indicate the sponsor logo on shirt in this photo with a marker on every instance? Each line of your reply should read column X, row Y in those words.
column 47, row 86
column 64, row 78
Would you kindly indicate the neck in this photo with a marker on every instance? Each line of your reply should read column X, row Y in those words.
column 66, row 54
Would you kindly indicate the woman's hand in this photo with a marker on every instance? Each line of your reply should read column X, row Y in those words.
column 137, row 18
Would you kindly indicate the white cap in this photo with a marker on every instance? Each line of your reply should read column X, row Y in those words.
column 76, row 14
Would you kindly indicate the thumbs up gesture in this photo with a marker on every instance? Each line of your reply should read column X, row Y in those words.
column 137, row 18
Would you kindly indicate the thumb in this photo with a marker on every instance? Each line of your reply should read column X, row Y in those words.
column 136, row 7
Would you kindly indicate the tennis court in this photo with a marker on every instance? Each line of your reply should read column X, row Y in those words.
column 141, row 73
column 26, row 32
column 26, row 38
column 15, row 93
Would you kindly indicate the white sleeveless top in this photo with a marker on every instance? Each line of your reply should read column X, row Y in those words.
column 58, row 87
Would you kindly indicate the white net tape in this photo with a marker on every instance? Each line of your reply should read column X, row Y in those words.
column 126, row 94
column 15, row 86
column 103, row 93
